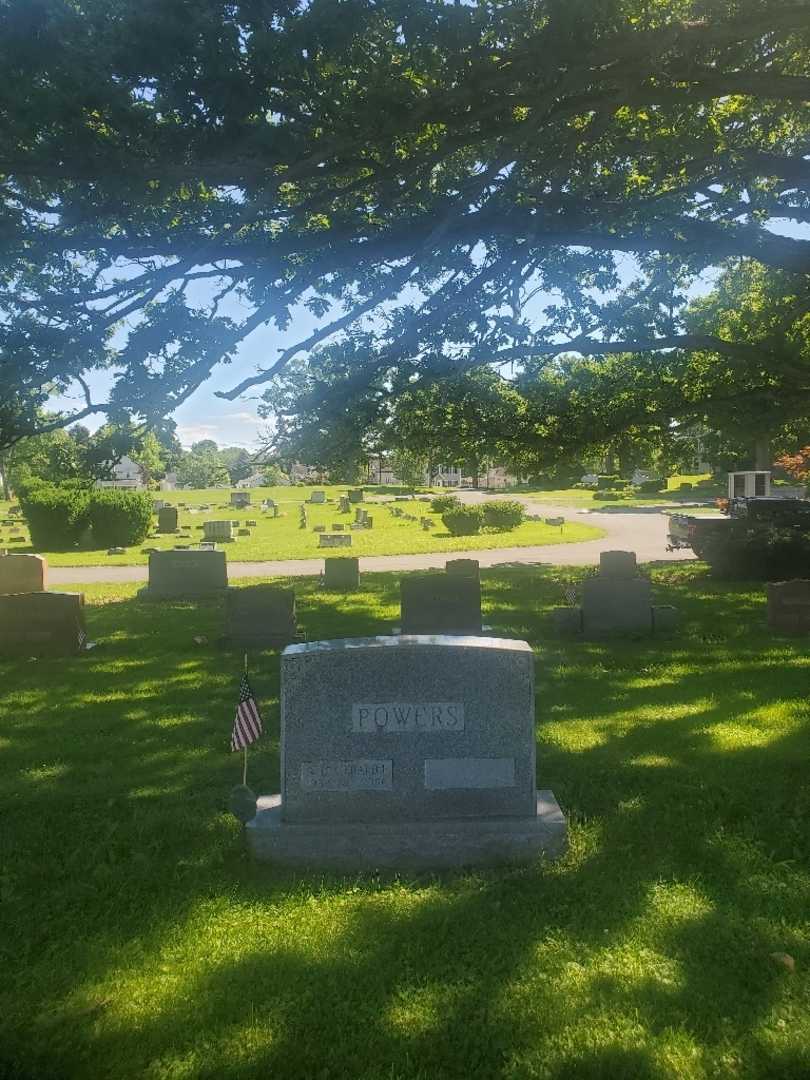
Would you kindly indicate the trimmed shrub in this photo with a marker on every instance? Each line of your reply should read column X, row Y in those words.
column 620, row 485
column 463, row 520
column 503, row 514
column 651, row 487
column 606, row 481
column 685, row 486
column 120, row 518
column 757, row 553
column 607, row 496
column 56, row 517
column 443, row 504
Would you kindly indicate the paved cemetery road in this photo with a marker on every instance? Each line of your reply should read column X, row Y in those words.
column 643, row 532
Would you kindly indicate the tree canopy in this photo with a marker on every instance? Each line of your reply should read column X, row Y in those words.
column 470, row 183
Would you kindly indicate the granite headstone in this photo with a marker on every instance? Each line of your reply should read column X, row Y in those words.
column 407, row 753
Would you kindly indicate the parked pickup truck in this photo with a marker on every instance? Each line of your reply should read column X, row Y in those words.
column 692, row 531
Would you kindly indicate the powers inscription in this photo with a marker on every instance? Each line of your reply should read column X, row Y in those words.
column 395, row 716
column 361, row 774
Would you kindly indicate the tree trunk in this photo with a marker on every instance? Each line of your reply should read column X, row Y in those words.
column 4, row 485
column 762, row 452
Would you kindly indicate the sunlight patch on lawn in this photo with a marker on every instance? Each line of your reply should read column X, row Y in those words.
column 759, row 727
column 42, row 774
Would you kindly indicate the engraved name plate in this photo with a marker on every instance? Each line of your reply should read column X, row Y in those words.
column 394, row 717
column 469, row 772
column 360, row 775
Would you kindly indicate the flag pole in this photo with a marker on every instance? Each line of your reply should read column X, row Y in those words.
column 244, row 748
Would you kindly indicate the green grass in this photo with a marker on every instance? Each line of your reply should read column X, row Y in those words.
column 140, row 942
column 281, row 538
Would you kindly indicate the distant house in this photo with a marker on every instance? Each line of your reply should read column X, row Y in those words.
column 125, row 474
column 491, row 476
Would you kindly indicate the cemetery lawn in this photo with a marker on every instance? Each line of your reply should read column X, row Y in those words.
column 673, row 940
column 282, row 538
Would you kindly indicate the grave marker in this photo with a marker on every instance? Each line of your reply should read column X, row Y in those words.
column 440, row 604
column 788, row 606
column 341, row 573
column 42, row 623
column 23, row 573
column 167, row 519
column 261, row 616
column 185, row 572
column 407, row 753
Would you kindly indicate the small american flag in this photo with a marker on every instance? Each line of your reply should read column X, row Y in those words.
column 247, row 724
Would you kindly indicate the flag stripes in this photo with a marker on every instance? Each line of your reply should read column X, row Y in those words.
column 247, row 724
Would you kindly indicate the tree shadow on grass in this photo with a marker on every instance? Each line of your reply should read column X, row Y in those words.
column 661, row 919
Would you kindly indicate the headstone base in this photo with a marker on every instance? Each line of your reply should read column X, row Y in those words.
column 411, row 845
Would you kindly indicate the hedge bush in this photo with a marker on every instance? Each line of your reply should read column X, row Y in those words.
column 56, row 517
column 443, row 504
column 650, row 487
column 119, row 518
column 503, row 514
column 608, row 480
column 463, row 520
column 758, row 553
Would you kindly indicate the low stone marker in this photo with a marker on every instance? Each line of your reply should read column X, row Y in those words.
column 218, row 532
column 186, row 573
column 167, row 519
column 788, row 605
column 240, row 499
column 319, row 528
column 42, row 623
column 440, row 604
column 463, row 568
column 318, row 497
column 407, row 753
column 261, row 616
column 337, row 526
column 341, row 573
column 23, row 573
column 333, row 540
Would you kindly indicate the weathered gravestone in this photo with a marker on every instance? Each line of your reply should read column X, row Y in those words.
column 356, row 495
column 440, row 604
column 407, row 753
column 186, row 573
column 23, row 573
column 262, row 616
column 344, row 505
column 318, row 497
column 618, row 600
column 341, row 573
column 333, row 540
column 463, row 568
column 240, row 499
column 47, row 623
column 788, row 606
column 218, row 531
column 167, row 519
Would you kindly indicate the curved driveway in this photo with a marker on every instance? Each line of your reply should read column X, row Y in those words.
column 642, row 531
